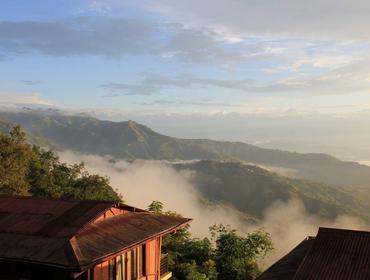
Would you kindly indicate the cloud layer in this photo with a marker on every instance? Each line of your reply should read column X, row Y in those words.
column 318, row 19
column 114, row 37
column 76, row 36
column 16, row 99
column 154, row 83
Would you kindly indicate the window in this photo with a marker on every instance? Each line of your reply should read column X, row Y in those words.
column 115, row 269
column 121, row 267
column 133, row 260
column 91, row 274
column 142, row 259
column 112, row 269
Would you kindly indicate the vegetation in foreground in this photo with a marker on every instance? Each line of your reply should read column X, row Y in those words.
column 227, row 255
column 27, row 169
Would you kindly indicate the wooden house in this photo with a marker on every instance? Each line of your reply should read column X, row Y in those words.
column 85, row 240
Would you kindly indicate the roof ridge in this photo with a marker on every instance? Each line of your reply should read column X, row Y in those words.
column 119, row 205
column 56, row 199
column 81, row 207
column 76, row 252
column 305, row 256
column 340, row 230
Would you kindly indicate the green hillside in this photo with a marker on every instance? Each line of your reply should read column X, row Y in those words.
column 130, row 140
column 252, row 190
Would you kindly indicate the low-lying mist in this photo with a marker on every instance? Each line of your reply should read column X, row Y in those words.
column 140, row 182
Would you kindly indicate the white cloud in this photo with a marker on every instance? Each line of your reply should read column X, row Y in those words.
column 154, row 83
column 100, row 7
column 325, row 19
column 115, row 37
column 11, row 98
column 318, row 61
column 339, row 75
column 77, row 36
column 344, row 77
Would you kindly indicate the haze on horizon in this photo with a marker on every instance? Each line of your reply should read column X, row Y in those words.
column 290, row 74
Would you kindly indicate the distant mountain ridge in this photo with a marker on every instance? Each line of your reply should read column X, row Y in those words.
column 130, row 140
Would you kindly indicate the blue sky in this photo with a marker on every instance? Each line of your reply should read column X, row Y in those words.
column 155, row 58
column 178, row 56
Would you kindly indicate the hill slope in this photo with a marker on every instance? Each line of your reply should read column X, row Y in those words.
column 252, row 190
column 130, row 140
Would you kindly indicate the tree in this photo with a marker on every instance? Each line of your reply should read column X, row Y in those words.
column 91, row 187
column 156, row 207
column 188, row 258
column 15, row 154
column 30, row 170
column 49, row 177
column 230, row 256
column 236, row 256
column 188, row 271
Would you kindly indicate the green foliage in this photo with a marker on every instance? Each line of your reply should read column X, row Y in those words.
column 236, row 255
column 15, row 155
column 156, row 207
column 230, row 256
column 188, row 271
column 209, row 268
column 190, row 257
column 30, row 170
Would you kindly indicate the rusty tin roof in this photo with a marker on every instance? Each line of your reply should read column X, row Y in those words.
column 286, row 267
column 61, row 233
column 337, row 254
column 333, row 254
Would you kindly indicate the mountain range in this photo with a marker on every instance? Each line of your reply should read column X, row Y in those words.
column 247, row 177
column 130, row 140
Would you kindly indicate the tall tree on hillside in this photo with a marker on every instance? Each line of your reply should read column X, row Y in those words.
column 15, row 154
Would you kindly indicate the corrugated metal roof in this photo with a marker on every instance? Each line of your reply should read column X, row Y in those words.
column 286, row 267
column 337, row 254
column 47, row 217
column 122, row 232
column 37, row 249
column 60, row 233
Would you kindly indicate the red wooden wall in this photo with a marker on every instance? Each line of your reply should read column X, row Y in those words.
column 108, row 270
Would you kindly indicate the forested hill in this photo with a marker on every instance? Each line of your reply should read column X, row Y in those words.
column 130, row 140
column 252, row 190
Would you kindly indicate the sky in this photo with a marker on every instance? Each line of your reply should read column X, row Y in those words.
column 283, row 71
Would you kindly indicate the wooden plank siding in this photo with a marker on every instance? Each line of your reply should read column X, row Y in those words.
column 151, row 271
column 113, row 269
